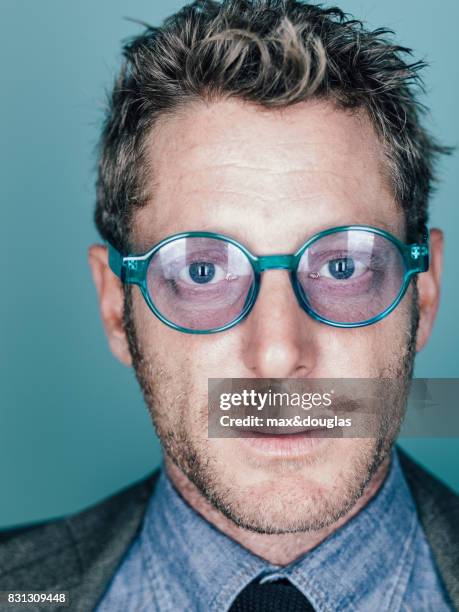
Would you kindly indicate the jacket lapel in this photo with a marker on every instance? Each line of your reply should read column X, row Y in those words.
column 438, row 510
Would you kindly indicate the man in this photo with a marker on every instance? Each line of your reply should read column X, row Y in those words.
column 239, row 131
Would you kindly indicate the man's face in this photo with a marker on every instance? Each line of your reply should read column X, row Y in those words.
column 270, row 179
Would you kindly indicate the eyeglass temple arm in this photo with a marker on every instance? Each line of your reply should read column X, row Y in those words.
column 130, row 270
column 115, row 261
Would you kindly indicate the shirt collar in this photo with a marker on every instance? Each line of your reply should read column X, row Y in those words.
column 365, row 562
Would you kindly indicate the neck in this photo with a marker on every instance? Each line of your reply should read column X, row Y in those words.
column 276, row 549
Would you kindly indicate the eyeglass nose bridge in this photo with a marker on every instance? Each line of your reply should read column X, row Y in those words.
column 276, row 262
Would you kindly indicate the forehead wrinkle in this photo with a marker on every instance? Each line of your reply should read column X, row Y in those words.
column 183, row 130
column 266, row 182
column 302, row 185
column 255, row 157
column 185, row 170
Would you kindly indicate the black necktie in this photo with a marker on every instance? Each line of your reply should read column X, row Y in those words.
column 278, row 596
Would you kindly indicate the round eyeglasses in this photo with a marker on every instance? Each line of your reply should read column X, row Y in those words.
column 202, row 282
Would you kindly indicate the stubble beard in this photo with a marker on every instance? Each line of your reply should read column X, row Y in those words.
column 192, row 456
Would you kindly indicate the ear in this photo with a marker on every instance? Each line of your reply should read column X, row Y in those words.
column 111, row 302
column 429, row 289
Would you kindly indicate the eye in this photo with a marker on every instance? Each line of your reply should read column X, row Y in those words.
column 342, row 268
column 202, row 273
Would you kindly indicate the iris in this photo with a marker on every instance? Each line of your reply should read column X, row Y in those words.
column 341, row 268
column 201, row 271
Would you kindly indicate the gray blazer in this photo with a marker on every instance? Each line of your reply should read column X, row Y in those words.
column 80, row 553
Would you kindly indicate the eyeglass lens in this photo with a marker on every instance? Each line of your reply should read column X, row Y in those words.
column 351, row 276
column 200, row 283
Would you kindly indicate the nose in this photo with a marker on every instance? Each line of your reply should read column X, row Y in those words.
column 278, row 335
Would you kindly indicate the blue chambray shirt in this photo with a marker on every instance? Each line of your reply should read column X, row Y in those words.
column 378, row 561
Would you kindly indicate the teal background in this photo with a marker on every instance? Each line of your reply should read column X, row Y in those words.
column 73, row 426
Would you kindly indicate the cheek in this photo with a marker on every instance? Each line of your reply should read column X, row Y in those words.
column 158, row 342
column 374, row 351
column 177, row 367
column 390, row 343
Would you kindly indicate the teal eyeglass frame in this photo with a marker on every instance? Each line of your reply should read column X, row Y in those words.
column 132, row 269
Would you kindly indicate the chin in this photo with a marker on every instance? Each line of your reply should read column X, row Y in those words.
column 296, row 505
column 285, row 495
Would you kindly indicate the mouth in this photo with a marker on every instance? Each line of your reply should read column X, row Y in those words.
column 284, row 445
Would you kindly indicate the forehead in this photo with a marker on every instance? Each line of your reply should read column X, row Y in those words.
column 269, row 177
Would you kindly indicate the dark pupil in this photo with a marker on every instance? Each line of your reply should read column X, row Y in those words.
column 341, row 268
column 202, row 272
